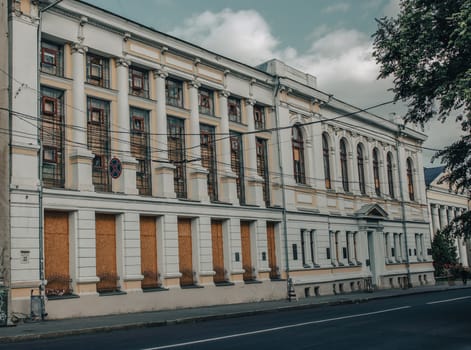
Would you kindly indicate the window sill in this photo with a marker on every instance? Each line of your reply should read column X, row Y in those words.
column 62, row 297
column 155, row 289
column 107, row 294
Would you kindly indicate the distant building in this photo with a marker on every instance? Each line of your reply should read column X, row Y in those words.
column 444, row 205
column 149, row 173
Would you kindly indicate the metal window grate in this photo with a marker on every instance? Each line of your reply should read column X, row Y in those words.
column 140, row 149
column 98, row 140
column 262, row 168
column 52, row 137
column 237, row 164
column 176, row 154
column 208, row 159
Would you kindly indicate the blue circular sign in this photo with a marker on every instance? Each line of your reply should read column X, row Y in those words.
column 115, row 168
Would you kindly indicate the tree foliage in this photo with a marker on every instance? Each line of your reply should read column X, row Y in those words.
column 443, row 253
column 427, row 51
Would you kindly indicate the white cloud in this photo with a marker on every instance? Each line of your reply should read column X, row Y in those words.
column 242, row 35
column 341, row 59
column 340, row 7
column 392, row 8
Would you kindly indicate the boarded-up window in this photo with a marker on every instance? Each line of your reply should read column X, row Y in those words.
column 246, row 251
column 105, row 228
column 218, row 251
column 185, row 252
column 56, row 253
column 149, row 252
column 272, row 250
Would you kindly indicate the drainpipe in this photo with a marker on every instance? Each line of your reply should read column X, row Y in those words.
column 282, row 182
column 40, row 161
column 403, row 206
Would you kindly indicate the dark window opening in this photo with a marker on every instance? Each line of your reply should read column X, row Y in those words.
column 208, row 159
column 176, row 154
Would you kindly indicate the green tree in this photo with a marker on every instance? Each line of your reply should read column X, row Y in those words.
column 443, row 252
column 427, row 51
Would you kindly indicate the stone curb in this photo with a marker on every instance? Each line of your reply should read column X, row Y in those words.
column 203, row 318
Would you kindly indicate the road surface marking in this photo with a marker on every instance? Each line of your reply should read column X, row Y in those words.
column 447, row 300
column 275, row 329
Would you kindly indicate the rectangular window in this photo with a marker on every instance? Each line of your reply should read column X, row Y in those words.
column 206, row 101
column 237, row 164
column 208, row 159
column 174, row 92
column 98, row 140
column 259, row 117
column 176, row 153
column 140, row 149
column 233, row 109
column 52, row 136
column 98, row 71
column 262, row 168
column 303, row 248
column 138, row 82
column 52, row 58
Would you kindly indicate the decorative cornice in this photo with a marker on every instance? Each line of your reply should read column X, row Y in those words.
column 122, row 62
column 160, row 73
column 224, row 93
column 79, row 48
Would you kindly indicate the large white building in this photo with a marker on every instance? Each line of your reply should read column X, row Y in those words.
column 143, row 172
column 445, row 204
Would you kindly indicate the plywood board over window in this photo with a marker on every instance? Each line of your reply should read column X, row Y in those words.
column 105, row 226
column 272, row 250
column 185, row 252
column 56, row 253
column 246, row 251
column 218, row 251
column 149, row 252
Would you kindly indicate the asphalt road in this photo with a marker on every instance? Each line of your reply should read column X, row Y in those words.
column 424, row 321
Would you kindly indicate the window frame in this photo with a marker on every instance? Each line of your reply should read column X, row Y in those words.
column 234, row 105
column 326, row 161
column 344, row 164
column 410, row 179
column 208, row 96
column 297, row 145
column 389, row 169
column 174, row 85
column 376, row 176
column 361, row 169
column 259, row 117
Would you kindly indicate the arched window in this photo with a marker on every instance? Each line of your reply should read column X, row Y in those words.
column 325, row 153
column 376, row 172
column 410, row 180
column 390, row 174
column 298, row 154
column 343, row 165
column 361, row 169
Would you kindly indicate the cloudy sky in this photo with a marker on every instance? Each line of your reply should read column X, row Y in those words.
column 330, row 39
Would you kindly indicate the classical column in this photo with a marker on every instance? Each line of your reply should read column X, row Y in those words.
column 351, row 249
column 451, row 215
column 435, row 219
column 443, row 218
column 333, row 249
column 462, row 241
column 417, row 248
column 80, row 157
column 397, row 249
column 198, row 174
column 126, row 183
column 228, row 178
column 387, row 238
column 254, row 181
column 162, row 179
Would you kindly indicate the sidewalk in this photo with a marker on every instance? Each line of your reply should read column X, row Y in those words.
column 58, row 328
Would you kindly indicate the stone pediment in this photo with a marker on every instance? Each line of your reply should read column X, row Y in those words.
column 371, row 211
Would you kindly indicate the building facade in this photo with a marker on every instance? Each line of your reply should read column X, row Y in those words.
column 444, row 205
column 149, row 173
